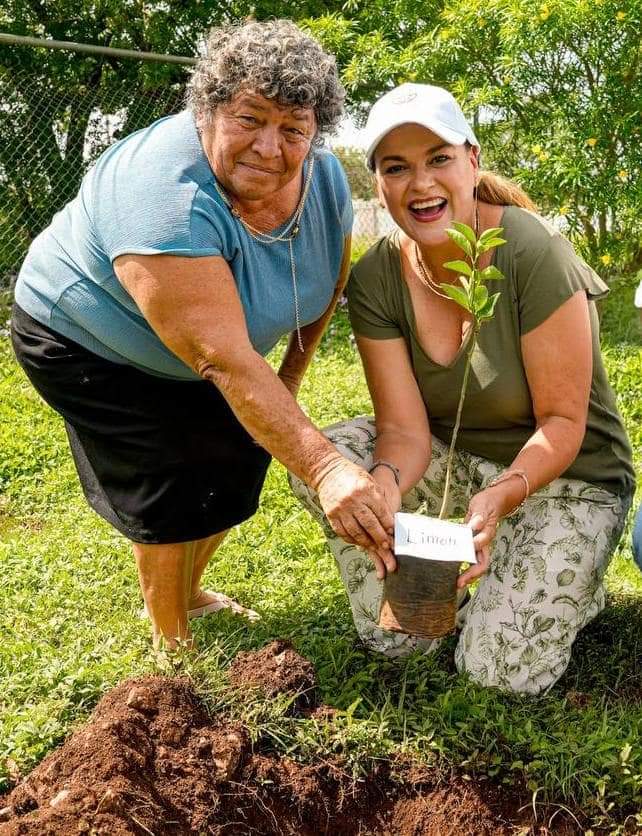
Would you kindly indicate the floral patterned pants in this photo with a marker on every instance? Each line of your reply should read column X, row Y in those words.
column 545, row 577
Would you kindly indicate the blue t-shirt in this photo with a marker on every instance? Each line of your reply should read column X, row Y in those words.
column 154, row 193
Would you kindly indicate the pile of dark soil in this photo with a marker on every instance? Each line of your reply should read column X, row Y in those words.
column 151, row 761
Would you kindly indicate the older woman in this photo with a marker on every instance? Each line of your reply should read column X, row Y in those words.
column 144, row 311
column 543, row 467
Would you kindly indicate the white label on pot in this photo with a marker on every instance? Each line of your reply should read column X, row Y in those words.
column 432, row 539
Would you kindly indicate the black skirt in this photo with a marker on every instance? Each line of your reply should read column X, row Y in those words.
column 163, row 461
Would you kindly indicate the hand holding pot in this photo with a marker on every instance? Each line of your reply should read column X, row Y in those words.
column 357, row 510
column 484, row 512
column 386, row 481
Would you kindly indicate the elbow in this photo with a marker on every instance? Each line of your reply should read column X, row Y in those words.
column 569, row 432
column 208, row 369
column 223, row 370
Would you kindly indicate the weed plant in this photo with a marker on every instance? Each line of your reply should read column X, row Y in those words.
column 70, row 630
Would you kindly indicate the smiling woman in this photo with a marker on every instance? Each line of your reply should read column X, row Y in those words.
column 543, row 469
column 143, row 314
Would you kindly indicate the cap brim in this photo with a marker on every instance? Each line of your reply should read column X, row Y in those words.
column 447, row 134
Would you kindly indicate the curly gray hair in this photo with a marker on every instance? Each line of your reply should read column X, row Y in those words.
column 275, row 59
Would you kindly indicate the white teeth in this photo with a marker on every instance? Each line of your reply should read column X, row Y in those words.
column 427, row 204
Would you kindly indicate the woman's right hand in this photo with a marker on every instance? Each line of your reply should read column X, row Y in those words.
column 358, row 511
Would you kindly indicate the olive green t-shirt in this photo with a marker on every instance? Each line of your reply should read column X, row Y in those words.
column 541, row 272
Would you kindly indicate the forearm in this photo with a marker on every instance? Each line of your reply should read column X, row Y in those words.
column 547, row 454
column 269, row 413
column 409, row 452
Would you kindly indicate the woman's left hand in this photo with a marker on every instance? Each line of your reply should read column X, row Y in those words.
column 483, row 516
column 388, row 484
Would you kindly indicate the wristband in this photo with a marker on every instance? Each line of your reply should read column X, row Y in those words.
column 390, row 466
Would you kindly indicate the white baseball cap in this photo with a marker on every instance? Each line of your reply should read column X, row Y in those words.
column 421, row 104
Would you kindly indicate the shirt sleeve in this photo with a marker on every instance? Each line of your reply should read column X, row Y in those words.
column 638, row 296
column 185, row 221
column 371, row 314
column 555, row 275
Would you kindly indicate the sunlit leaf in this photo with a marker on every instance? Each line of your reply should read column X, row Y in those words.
column 459, row 267
column 465, row 230
column 457, row 294
column 488, row 245
column 481, row 297
column 489, row 308
column 460, row 239
column 491, row 273
column 487, row 234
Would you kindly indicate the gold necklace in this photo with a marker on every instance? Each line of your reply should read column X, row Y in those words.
column 287, row 235
column 426, row 275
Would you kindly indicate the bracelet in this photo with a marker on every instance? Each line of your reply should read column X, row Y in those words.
column 503, row 477
column 390, row 466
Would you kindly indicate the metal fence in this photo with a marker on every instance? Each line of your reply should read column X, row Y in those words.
column 51, row 135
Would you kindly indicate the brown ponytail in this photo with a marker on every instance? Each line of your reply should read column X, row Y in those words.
column 498, row 191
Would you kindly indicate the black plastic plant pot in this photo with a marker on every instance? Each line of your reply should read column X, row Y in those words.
column 420, row 598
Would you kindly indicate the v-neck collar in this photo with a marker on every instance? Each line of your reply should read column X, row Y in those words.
column 412, row 320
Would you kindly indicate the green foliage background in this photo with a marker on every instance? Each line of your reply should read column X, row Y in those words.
column 554, row 89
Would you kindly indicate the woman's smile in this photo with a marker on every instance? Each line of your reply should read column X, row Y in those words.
column 425, row 183
column 276, row 137
column 258, row 168
column 428, row 211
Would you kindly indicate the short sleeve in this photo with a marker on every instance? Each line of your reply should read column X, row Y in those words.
column 371, row 309
column 209, row 226
column 191, row 229
column 556, row 274
column 638, row 296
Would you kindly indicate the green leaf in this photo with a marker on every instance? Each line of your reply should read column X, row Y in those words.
column 489, row 308
column 487, row 234
column 463, row 281
column 459, row 267
column 491, row 273
column 466, row 231
column 457, row 294
column 462, row 242
column 488, row 245
column 481, row 297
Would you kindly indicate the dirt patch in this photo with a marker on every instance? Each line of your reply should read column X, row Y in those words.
column 151, row 761
column 276, row 669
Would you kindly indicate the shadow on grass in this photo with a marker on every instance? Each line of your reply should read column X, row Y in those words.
column 606, row 663
column 607, row 655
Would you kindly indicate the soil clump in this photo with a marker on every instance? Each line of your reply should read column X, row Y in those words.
column 276, row 669
column 152, row 761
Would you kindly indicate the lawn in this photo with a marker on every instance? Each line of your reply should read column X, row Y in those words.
column 70, row 629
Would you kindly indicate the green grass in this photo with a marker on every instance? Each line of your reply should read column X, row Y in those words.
column 69, row 628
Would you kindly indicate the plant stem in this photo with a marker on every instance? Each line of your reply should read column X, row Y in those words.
column 460, row 407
